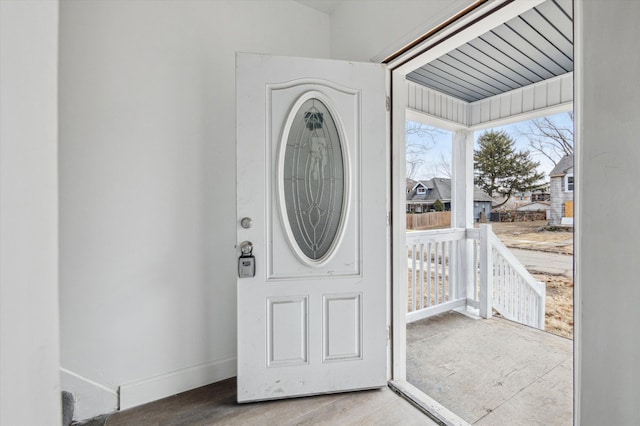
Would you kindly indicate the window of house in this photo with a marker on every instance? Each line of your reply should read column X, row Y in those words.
column 422, row 190
column 568, row 183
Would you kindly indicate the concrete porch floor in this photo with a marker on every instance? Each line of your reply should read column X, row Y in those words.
column 492, row 372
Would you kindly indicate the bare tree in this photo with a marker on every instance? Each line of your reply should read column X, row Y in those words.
column 444, row 167
column 420, row 139
column 549, row 138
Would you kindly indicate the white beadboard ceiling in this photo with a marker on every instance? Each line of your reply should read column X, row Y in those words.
column 535, row 46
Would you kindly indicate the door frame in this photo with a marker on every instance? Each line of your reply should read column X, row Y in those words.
column 478, row 19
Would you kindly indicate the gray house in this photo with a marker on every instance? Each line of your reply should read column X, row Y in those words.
column 422, row 194
column 562, row 192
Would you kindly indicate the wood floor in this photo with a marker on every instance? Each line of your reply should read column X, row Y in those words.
column 216, row 405
column 488, row 372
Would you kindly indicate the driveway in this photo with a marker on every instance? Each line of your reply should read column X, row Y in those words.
column 545, row 262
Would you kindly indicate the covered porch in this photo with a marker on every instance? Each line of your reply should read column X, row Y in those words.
column 492, row 372
column 476, row 350
column 472, row 77
column 470, row 346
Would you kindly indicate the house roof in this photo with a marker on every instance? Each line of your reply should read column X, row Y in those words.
column 541, row 204
column 411, row 184
column 564, row 165
column 439, row 189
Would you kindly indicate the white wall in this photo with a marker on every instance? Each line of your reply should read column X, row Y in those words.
column 363, row 30
column 147, row 194
column 147, row 187
column 29, row 384
column 608, row 197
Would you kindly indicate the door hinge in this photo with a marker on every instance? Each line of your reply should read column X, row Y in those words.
column 388, row 103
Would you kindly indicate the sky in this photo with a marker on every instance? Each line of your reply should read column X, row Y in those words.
column 441, row 146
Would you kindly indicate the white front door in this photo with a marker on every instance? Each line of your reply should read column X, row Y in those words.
column 312, row 178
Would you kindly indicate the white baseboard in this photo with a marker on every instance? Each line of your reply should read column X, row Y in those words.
column 154, row 388
column 91, row 398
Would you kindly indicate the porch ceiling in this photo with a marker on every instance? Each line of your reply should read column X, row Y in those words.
column 534, row 46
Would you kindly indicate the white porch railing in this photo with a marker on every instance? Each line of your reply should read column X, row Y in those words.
column 433, row 283
column 453, row 268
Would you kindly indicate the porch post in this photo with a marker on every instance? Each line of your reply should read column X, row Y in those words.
column 462, row 206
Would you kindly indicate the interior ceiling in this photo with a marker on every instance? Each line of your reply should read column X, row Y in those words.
column 535, row 46
column 326, row 6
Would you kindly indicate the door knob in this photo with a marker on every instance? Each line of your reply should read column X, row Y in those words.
column 246, row 248
column 246, row 222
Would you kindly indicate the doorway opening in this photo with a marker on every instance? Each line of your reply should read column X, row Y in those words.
column 455, row 288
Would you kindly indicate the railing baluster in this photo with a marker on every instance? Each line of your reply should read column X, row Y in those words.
column 450, row 271
column 444, row 271
column 507, row 291
column 453, row 274
column 500, row 278
column 413, row 277
column 517, row 306
column 530, row 307
column 436, row 273
column 505, row 284
column 444, row 275
column 499, row 290
column 522, row 300
column 429, row 274
column 541, row 307
column 476, row 271
column 421, row 276
column 514, row 287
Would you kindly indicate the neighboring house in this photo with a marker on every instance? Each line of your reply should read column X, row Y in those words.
column 520, row 199
column 422, row 194
column 536, row 206
column 541, row 194
column 562, row 192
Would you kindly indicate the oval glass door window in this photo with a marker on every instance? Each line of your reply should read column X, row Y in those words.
column 314, row 179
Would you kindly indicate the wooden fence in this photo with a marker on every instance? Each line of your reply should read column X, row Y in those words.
column 432, row 220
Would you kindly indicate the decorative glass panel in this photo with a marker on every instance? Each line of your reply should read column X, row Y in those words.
column 314, row 183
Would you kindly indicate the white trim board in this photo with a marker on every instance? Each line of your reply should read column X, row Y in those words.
column 426, row 404
column 151, row 389
column 578, row 90
column 455, row 35
column 91, row 398
column 540, row 99
column 525, row 103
